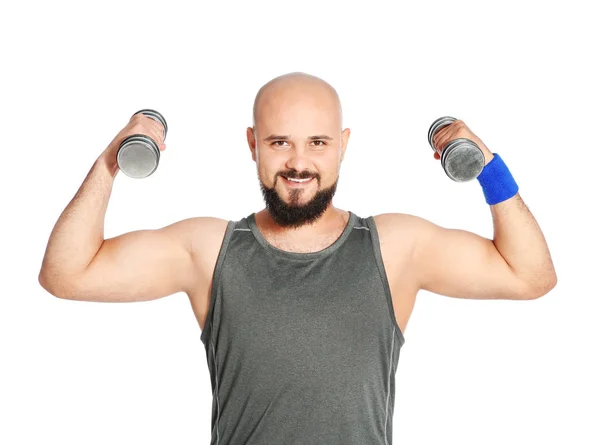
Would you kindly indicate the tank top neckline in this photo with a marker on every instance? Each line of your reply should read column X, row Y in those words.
column 302, row 255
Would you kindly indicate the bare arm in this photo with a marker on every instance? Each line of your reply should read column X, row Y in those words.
column 520, row 241
column 516, row 264
column 142, row 265
column 80, row 264
column 79, row 232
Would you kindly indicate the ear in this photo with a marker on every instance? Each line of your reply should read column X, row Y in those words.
column 345, row 137
column 251, row 141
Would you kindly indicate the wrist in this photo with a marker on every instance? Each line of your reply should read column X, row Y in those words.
column 108, row 163
column 496, row 181
column 487, row 156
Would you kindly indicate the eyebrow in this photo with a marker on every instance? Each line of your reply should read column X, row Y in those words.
column 286, row 137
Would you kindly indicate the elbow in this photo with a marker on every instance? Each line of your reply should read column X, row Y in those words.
column 541, row 287
column 55, row 287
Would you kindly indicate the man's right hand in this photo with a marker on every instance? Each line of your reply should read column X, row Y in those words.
column 138, row 124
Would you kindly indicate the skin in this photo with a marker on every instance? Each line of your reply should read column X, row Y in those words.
column 81, row 264
column 298, row 106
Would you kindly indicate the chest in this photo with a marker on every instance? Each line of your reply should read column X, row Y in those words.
column 395, row 257
column 312, row 246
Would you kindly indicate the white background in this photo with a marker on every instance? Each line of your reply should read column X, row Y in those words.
column 522, row 75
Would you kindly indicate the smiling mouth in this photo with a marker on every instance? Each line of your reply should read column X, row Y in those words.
column 297, row 183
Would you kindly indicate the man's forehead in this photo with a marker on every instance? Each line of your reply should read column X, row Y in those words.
column 288, row 97
column 299, row 119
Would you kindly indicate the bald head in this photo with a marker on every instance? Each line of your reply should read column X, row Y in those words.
column 293, row 88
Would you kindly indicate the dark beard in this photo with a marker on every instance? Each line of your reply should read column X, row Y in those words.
column 295, row 215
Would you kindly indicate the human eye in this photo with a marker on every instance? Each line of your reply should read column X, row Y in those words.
column 322, row 143
column 276, row 143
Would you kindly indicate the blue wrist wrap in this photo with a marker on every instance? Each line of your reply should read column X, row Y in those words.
column 496, row 181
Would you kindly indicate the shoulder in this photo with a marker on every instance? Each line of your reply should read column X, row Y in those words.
column 400, row 225
column 419, row 237
column 202, row 237
column 403, row 230
column 203, row 234
column 199, row 236
column 400, row 235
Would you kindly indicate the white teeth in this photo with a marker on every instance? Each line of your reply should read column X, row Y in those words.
column 298, row 180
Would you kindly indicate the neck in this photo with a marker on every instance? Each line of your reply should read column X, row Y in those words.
column 333, row 220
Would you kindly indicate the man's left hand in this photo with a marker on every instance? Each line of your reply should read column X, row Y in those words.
column 458, row 129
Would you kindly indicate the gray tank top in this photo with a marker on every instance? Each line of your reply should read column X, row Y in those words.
column 302, row 348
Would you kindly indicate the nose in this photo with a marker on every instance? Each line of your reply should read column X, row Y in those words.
column 299, row 163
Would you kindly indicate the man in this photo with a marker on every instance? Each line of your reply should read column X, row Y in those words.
column 302, row 305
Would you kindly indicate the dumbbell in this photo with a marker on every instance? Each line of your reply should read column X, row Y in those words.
column 138, row 154
column 461, row 158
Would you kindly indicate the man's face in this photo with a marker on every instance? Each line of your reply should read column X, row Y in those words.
column 297, row 136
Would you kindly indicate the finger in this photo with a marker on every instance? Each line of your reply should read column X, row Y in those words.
column 440, row 142
column 438, row 136
column 444, row 135
column 153, row 123
column 157, row 136
column 443, row 132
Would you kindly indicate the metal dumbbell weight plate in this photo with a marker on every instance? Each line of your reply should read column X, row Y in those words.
column 462, row 160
